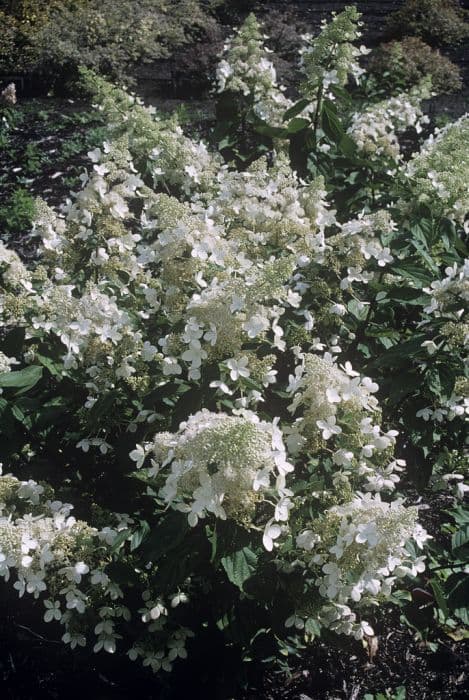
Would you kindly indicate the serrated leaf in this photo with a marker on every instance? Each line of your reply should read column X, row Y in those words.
column 419, row 246
column 460, row 538
column 239, row 566
column 413, row 271
column 55, row 368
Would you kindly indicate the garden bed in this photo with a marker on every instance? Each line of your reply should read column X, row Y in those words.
column 233, row 387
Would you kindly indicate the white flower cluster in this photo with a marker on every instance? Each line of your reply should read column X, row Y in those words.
column 449, row 297
column 157, row 145
column 223, row 465
column 216, row 265
column 439, row 172
column 355, row 553
column 376, row 129
column 272, row 207
column 8, row 95
column 359, row 241
column 339, row 406
column 7, row 362
column 448, row 300
column 456, row 406
column 246, row 68
column 330, row 58
column 454, row 482
column 14, row 274
column 52, row 555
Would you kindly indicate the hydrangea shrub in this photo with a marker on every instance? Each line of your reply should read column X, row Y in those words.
column 198, row 351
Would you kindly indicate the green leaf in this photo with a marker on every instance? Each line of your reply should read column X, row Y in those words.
column 120, row 539
column 433, row 381
column 312, row 627
column 239, row 566
column 440, row 379
column 358, row 310
column 166, row 535
column 227, row 141
column 212, row 537
column 139, row 535
column 420, row 241
column 23, row 379
column 460, row 538
column 21, row 416
column 347, row 146
column 331, row 123
column 448, row 233
column 297, row 124
column 439, row 596
column 295, row 109
column 458, row 586
column 460, row 515
column 399, row 354
column 425, row 255
column 55, row 368
column 410, row 295
column 413, row 271
column 463, row 614
column 266, row 130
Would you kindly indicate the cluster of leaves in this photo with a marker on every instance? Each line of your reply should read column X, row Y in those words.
column 399, row 65
column 49, row 40
column 374, row 313
column 439, row 22
column 396, row 694
column 17, row 214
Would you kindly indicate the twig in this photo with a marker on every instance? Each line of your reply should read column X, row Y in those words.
column 38, row 636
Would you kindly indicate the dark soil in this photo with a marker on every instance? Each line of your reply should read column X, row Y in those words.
column 329, row 674
column 36, row 668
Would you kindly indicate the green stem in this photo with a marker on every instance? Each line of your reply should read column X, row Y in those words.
column 318, row 110
column 449, row 566
column 360, row 335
